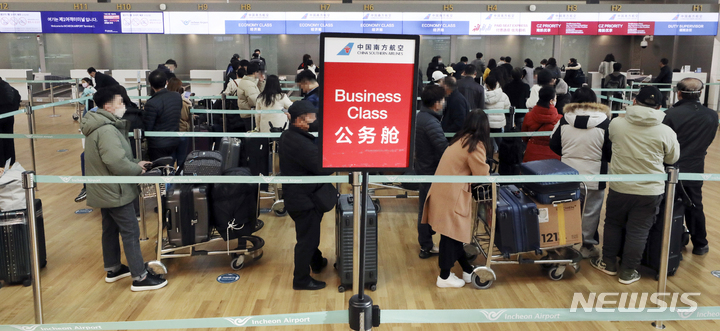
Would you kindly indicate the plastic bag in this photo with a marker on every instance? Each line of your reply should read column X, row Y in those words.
column 12, row 195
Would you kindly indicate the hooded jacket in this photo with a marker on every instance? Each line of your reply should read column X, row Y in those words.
column 571, row 74
column 640, row 145
column 581, row 137
column 108, row 153
column 534, row 96
column 540, row 119
column 162, row 113
column 496, row 99
column 695, row 126
column 430, row 141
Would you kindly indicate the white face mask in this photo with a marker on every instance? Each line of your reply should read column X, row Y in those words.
column 84, row 85
column 120, row 111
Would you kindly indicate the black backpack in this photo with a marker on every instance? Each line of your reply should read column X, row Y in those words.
column 234, row 206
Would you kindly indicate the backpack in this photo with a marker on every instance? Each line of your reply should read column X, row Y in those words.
column 614, row 82
column 234, row 206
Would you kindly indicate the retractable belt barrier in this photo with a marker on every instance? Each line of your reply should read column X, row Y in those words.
column 13, row 113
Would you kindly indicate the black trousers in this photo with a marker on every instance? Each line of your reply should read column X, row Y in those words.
column 7, row 146
column 452, row 251
column 307, row 234
column 425, row 231
column 695, row 216
column 635, row 214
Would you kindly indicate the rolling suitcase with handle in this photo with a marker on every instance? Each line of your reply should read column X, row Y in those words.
column 517, row 228
column 203, row 163
column 15, row 247
column 549, row 192
column 344, row 243
column 230, row 149
column 653, row 248
column 187, row 214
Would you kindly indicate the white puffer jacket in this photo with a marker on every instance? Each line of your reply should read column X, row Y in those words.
column 496, row 99
column 581, row 137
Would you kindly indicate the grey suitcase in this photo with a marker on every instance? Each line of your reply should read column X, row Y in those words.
column 187, row 214
column 230, row 149
column 344, row 244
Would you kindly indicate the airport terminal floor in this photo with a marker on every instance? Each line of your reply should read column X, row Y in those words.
column 74, row 290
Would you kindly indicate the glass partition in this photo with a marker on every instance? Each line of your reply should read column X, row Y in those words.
column 431, row 46
column 19, row 51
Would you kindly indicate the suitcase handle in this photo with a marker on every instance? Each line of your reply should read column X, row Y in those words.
column 555, row 203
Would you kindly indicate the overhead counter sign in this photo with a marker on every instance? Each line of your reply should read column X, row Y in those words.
column 367, row 120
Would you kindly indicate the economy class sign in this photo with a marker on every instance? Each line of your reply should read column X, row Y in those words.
column 367, row 101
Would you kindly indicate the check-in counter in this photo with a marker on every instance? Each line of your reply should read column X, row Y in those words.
column 200, row 82
column 130, row 78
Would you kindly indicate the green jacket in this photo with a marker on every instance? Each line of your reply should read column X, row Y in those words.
column 107, row 153
column 641, row 144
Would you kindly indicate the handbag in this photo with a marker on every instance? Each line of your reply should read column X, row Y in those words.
column 325, row 197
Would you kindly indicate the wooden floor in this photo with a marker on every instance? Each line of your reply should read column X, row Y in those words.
column 74, row 290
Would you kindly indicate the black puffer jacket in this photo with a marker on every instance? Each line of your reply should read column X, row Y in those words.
column 162, row 113
column 430, row 142
column 299, row 156
column 102, row 80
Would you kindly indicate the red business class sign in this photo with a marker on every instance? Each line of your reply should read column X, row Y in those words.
column 367, row 102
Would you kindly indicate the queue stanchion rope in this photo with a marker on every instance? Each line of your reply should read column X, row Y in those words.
column 391, row 316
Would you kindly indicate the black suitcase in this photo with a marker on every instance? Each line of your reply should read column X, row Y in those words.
column 187, row 214
column 344, row 244
column 230, row 149
column 202, row 143
column 548, row 192
column 653, row 247
column 517, row 228
column 235, row 206
column 256, row 157
column 15, row 265
column 203, row 163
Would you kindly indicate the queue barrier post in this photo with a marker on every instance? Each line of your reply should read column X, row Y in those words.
column 137, row 135
column 667, row 234
column 224, row 124
column 28, row 182
column 31, row 130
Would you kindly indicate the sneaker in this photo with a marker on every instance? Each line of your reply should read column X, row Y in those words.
column 450, row 282
column 588, row 252
column 425, row 254
column 112, row 277
column 435, row 250
column 82, row 196
column 148, row 284
column 628, row 277
column 599, row 264
column 467, row 277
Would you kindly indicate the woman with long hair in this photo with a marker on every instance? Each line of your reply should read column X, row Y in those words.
column 272, row 98
column 492, row 64
column 448, row 208
column 529, row 70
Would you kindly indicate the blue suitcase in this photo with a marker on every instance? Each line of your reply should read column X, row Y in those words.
column 517, row 228
column 549, row 192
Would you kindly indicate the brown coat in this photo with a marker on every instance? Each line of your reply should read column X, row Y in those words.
column 448, row 208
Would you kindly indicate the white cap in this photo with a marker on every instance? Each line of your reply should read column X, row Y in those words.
column 438, row 75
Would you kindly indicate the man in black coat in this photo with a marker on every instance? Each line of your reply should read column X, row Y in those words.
column 508, row 66
column 473, row 92
column 430, row 144
column 299, row 156
column 162, row 113
column 101, row 80
column 9, row 101
column 695, row 126
column 665, row 76
column 457, row 107
column 460, row 67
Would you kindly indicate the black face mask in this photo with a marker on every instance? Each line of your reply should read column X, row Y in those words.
column 314, row 127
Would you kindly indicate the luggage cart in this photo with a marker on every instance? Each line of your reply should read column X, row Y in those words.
column 554, row 260
column 274, row 191
column 164, row 250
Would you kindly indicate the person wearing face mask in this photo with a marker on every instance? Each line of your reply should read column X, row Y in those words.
column 108, row 153
column 248, row 89
column 542, row 117
column 162, row 113
column 309, row 85
column 299, row 156
column 88, row 91
column 168, row 68
column 430, row 144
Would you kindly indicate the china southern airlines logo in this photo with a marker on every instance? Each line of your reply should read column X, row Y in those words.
column 612, row 18
column 186, row 22
column 304, row 16
column 493, row 315
column 366, row 16
column 245, row 15
column 427, row 17
column 676, row 17
column 489, row 17
column 551, row 17
column 239, row 321
column 346, row 50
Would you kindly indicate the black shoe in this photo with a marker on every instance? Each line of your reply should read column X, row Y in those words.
column 259, row 225
column 311, row 285
column 317, row 269
column 148, row 284
column 82, row 196
column 425, row 254
column 701, row 250
column 123, row 272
